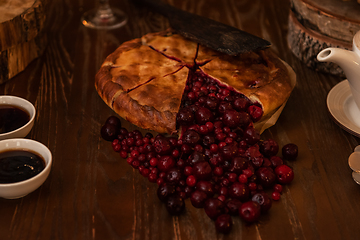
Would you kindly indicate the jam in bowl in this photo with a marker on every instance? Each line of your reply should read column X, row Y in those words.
column 24, row 166
column 17, row 117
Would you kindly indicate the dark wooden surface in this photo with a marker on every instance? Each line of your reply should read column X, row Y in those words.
column 93, row 194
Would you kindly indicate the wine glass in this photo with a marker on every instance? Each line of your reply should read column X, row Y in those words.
column 104, row 17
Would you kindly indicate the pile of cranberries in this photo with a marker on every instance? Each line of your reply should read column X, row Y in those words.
column 218, row 161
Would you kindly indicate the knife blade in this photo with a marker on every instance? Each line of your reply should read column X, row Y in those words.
column 213, row 34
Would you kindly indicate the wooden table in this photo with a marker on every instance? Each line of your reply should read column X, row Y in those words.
column 93, row 194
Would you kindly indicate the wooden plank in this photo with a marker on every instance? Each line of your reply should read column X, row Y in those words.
column 21, row 24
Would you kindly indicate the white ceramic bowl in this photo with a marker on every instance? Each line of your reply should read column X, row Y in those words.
column 21, row 189
column 27, row 106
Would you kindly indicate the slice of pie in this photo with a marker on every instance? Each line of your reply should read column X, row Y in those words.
column 163, row 81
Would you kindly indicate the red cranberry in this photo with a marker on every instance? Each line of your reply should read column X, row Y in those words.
column 191, row 137
column 109, row 132
column 113, row 120
column 266, row 176
column 284, row 174
column 191, row 181
column 229, row 151
column 165, row 163
column 162, row 145
column 241, row 104
column 175, row 205
column 255, row 112
column 164, row 191
column 195, row 157
column 233, row 206
column 290, row 151
column 276, row 196
column 214, row 208
column 269, row 147
column 203, row 115
column 251, row 135
column 205, row 186
column 173, row 176
column 223, row 106
column 250, row 211
column 232, row 118
column 239, row 191
column 212, row 103
column 223, row 223
column 208, row 140
column 238, row 164
column 198, row 198
column 263, row 200
column 185, row 117
column 202, row 170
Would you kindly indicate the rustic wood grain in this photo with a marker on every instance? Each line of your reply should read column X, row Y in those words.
column 92, row 193
column 21, row 37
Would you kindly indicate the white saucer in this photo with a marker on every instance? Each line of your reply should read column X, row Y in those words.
column 343, row 109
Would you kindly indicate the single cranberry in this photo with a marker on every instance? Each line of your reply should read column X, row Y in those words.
column 284, row 174
column 278, row 188
column 255, row 112
column 233, row 205
column 175, row 205
column 239, row 191
column 269, row 147
column 276, row 196
column 214, row 208
column 191, row 181
column 229, row 151
column 185, row 117
column 185, row 149
column 191, row 137
column 223, row 223
column 290, row 151
column 188, row 170
column 212, row 103
column 263, row 200
column 195, row 157
column 223, row 106
column 165, row 163
column 113, row 120
column 243, row 178
column 109, row 132
column 241, row 104
column 205, row 186
column 250, row 211
column 266, row 176
column 251, row 135
column 162, row 145
column 208, row 140
column 204, row 115
column 231, row 118
column 164, row 191
column 202, row 170
column 173, row 176
column 238, row 165
column 198, row 198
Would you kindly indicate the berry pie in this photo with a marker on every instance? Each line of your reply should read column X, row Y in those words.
column 165, row 82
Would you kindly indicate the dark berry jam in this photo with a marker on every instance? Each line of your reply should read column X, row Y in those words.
column 19, row 165
column 12, row 117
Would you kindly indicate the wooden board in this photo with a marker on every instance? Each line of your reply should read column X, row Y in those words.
column 21, row 38
column 317, row 24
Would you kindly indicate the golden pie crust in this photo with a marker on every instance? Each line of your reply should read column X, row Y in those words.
column 143, row 80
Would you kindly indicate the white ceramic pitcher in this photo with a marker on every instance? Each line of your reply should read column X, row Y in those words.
column 349, row 61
